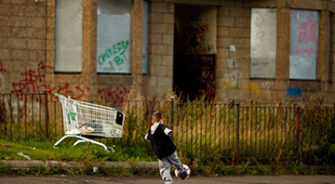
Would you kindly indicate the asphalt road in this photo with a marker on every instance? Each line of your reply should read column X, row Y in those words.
column 282, row 179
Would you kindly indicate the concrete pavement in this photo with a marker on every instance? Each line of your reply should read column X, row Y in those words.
column 282, row 179
column 37, row 164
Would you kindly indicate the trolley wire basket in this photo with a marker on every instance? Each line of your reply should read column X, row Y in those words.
column 84, row 121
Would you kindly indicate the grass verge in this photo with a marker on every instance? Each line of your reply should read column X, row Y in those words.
column 88, row 153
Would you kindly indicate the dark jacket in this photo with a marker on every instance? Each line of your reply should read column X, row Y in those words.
column 161, row 143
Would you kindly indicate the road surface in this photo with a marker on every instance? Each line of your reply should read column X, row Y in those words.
column 282, row 179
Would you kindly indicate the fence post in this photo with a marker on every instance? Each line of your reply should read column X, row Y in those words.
column 46, row 116
column 171, row 114
column 150, row 103
column 237, row 159
column 297, row 132
column 332, row 124
column 11, row 117
column 150, row 114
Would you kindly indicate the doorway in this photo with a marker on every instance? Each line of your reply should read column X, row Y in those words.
column 194, row 52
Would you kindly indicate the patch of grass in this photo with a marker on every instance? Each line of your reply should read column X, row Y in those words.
column 66, row 152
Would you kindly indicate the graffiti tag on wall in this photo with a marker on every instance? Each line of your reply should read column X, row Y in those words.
column 230, row 83
column 231, row 79
column 266, row 86
column 253, row 88
column 33, row 82
column 114, row 96
column 115, row 56
column 307, row 33
column 195, row 36
column 304, row 32
column 2, row 78
column 294, row 91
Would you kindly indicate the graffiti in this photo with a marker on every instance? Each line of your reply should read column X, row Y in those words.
column 115, row 55
column 232, row 63
column 305, row 51
column 197, row 31
column 308, row 31
column 66, row 91
column 235, row 74
column 114, row 96
column 2, row 69
column 253, row 88
column 294, row 91
column 267, row 85
column 230, row 83
column 231, row 79
column 2, row 78
column 195, row 36
column 33, row 82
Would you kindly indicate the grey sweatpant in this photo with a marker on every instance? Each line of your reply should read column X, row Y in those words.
column 165, row 167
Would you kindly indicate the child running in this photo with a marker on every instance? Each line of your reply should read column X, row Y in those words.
column 161, row 143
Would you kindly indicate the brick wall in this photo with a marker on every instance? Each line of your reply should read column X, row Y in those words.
column 22, row 45
column 234, row 30
column 233, row 45
column 27, row 54
column 27, row 51
column 160, row 64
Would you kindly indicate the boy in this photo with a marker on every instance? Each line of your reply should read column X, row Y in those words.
column 162, row 145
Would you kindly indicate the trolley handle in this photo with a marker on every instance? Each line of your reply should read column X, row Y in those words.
column 60, row 96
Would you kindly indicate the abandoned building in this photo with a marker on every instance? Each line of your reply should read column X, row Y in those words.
column 114, row 50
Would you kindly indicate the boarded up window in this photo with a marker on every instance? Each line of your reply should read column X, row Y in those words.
column 263, row 43
column 304, row 35
column 113, row 47
column 68, row 36
column 195, row 30
column 145, row 37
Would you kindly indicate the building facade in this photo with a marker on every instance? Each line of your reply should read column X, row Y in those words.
column 114, row 50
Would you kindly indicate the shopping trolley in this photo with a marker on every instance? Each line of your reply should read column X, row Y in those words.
column 84, row 121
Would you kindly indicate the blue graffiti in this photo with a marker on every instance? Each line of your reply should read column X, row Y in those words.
column 294, row 91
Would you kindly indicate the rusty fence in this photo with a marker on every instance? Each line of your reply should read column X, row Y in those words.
column 233, row 132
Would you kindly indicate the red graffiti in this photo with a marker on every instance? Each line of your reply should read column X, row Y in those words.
column 308, row 31
column 29, row 84
column 197, row 30
column 113, row 96
column 2, row 69
column 33, row 82
column 196, row 35
column 306, row 51
column 66, row 91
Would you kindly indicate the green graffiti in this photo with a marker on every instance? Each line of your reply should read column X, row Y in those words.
column 117, row 60
column 111, row 65
column 116, row 54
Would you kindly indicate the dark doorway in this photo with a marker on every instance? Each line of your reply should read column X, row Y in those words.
column 194, row 52
column 194, row 76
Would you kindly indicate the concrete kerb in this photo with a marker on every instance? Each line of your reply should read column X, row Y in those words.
column 39, row 164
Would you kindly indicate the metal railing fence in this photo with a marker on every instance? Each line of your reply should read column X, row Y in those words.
column 24, row 116
column 230, row 132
